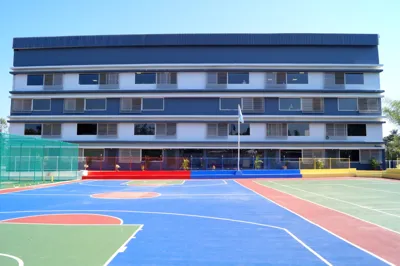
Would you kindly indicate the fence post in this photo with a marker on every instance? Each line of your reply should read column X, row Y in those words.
column 254, row 163
column 349, row 163
column 330, row 163
column 222, row 162
column 300, row 159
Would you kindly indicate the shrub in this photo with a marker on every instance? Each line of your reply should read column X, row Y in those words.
column 258, row 162
column 319, row 164
column 185, row 164
column 374, row 164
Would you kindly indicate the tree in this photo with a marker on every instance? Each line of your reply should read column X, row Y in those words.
column 392, row 143
column 392, row 111
column 3, row 125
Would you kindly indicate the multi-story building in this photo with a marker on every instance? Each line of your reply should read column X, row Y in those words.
column 165, row 96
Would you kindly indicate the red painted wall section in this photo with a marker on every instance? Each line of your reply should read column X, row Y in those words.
column 137, row 175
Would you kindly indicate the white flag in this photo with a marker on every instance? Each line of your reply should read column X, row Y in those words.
column 240, row 115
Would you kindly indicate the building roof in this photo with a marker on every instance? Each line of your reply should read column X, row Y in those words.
column 300, row 39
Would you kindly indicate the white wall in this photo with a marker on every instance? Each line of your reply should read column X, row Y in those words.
column 374, row 133
column 371, row 82
column 191, row 131
column 192, row 80
column 20, row 83
column 16, row 128
column 127, row 81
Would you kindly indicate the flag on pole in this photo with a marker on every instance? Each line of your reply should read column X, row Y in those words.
column 240, row 115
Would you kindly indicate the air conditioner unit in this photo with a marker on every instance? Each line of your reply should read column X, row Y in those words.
column 326, row 137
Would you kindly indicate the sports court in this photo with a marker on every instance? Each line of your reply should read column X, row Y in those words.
column 341, row 221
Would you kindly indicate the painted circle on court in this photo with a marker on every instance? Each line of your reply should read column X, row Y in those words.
column 66, row 219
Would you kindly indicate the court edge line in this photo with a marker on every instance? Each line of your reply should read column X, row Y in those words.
column 329, row 208
column 340, row 200
column 381, row 190
column 124, row 186
column 119, row 250
column 326, row 230
column 40, row 186
column 20, row 262
column 38, row 215
column 197, row 216
column 163, row 194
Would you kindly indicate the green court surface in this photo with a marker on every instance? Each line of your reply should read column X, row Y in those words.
column 372, row 200
column 155, row 182
column 22, row 183
column 62, row 245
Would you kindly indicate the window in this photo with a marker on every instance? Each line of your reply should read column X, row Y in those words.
column 88, row 79
column 244, row 129
column 107, row 129
column 95, row 104
column 33, row 129
column 51, row 129
column 253, row 105
column 93, row 153
column 131, row 105
column 354, row 155
column 290, row 155
column 53, row 79
column 217, row 130
column 238, row 78
column 21, row 105
column 152, row 155
column 145, row 78
column 336, row 130
column 226, row 104
column 129, row 156
column 217, row 78
column 312, row 105
column 299, row 129
column 153, row 104
column 297, row 78
column 354, row 78
column 275, row 78
column 356, row 130
column 289, row 104
column 367, row 105
column 367, row 155
column 167, row 78
column 74, row 105
column 166, row 129
column 109, row 78
column 339, row 78
column 87, row 129
column 41, row 104
column 145, row 129
column 35, row 80
column 347, row 104
column 277, row 130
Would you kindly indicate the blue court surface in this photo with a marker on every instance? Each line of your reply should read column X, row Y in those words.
column 199, row 222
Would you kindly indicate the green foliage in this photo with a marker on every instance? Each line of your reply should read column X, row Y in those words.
column 392, row 143
column 392, row 111
column 258, row 162
column 319, row 164
column 185, row 164
column 3, row 125
column 374, row 164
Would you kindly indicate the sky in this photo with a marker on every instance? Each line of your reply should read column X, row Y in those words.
column 27, row 18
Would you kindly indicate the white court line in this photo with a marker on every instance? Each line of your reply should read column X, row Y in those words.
column 339, row 200
column 381, row 190
column 19, row 261
column 326, row 230
column 183, row 186
column 122, row 248
column 40, row 186
column 121, row 222
column 162, row 194
column 196, row 216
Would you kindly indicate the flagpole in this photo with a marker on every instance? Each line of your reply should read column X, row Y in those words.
column 238, row 160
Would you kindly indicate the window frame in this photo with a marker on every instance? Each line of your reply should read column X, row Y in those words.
column 291, row 123
column 105, row 104
column 100, row 158
column 347, row 130
column 288, row 110
column 142, row 104
column 22, row 111
column 27, row 80
column 288, row 81
column 345, row 78
column 359, row 155
column 108, row 134
column 140, row 73
column 41, row 129
column 38, row 110
column 52, row 124
column 220, row 103
column 235, row 124
column 344, row 110
column 161, row 157
column 232, row 72
column 134, row 129
column 77, row 128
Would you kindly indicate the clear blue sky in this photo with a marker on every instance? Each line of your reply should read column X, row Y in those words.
column 25, row 18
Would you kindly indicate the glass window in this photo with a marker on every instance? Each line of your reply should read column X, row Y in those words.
column 153, row 104
column 354, row 155
column 35, row 80
column 229, row 103
column 33, row 129
column 145, row 78
column 87, row 129
column 244, row 129
column 289, row 104
column 357, row 130
column 354, row 78
column 152, row 155
column 348, row 104
column 144, row 129
column 88, row 79
column 238, row 78
column 297, row 78
column 93, row 152
column 291, row 154
column 41, row 104
column 299, row 129
column 95, row 104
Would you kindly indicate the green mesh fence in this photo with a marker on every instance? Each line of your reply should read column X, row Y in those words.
column 28, row 160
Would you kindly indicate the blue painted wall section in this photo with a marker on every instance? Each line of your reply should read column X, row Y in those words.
column 216, row 174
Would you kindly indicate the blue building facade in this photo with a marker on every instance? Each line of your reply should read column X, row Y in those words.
column 129, row 97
